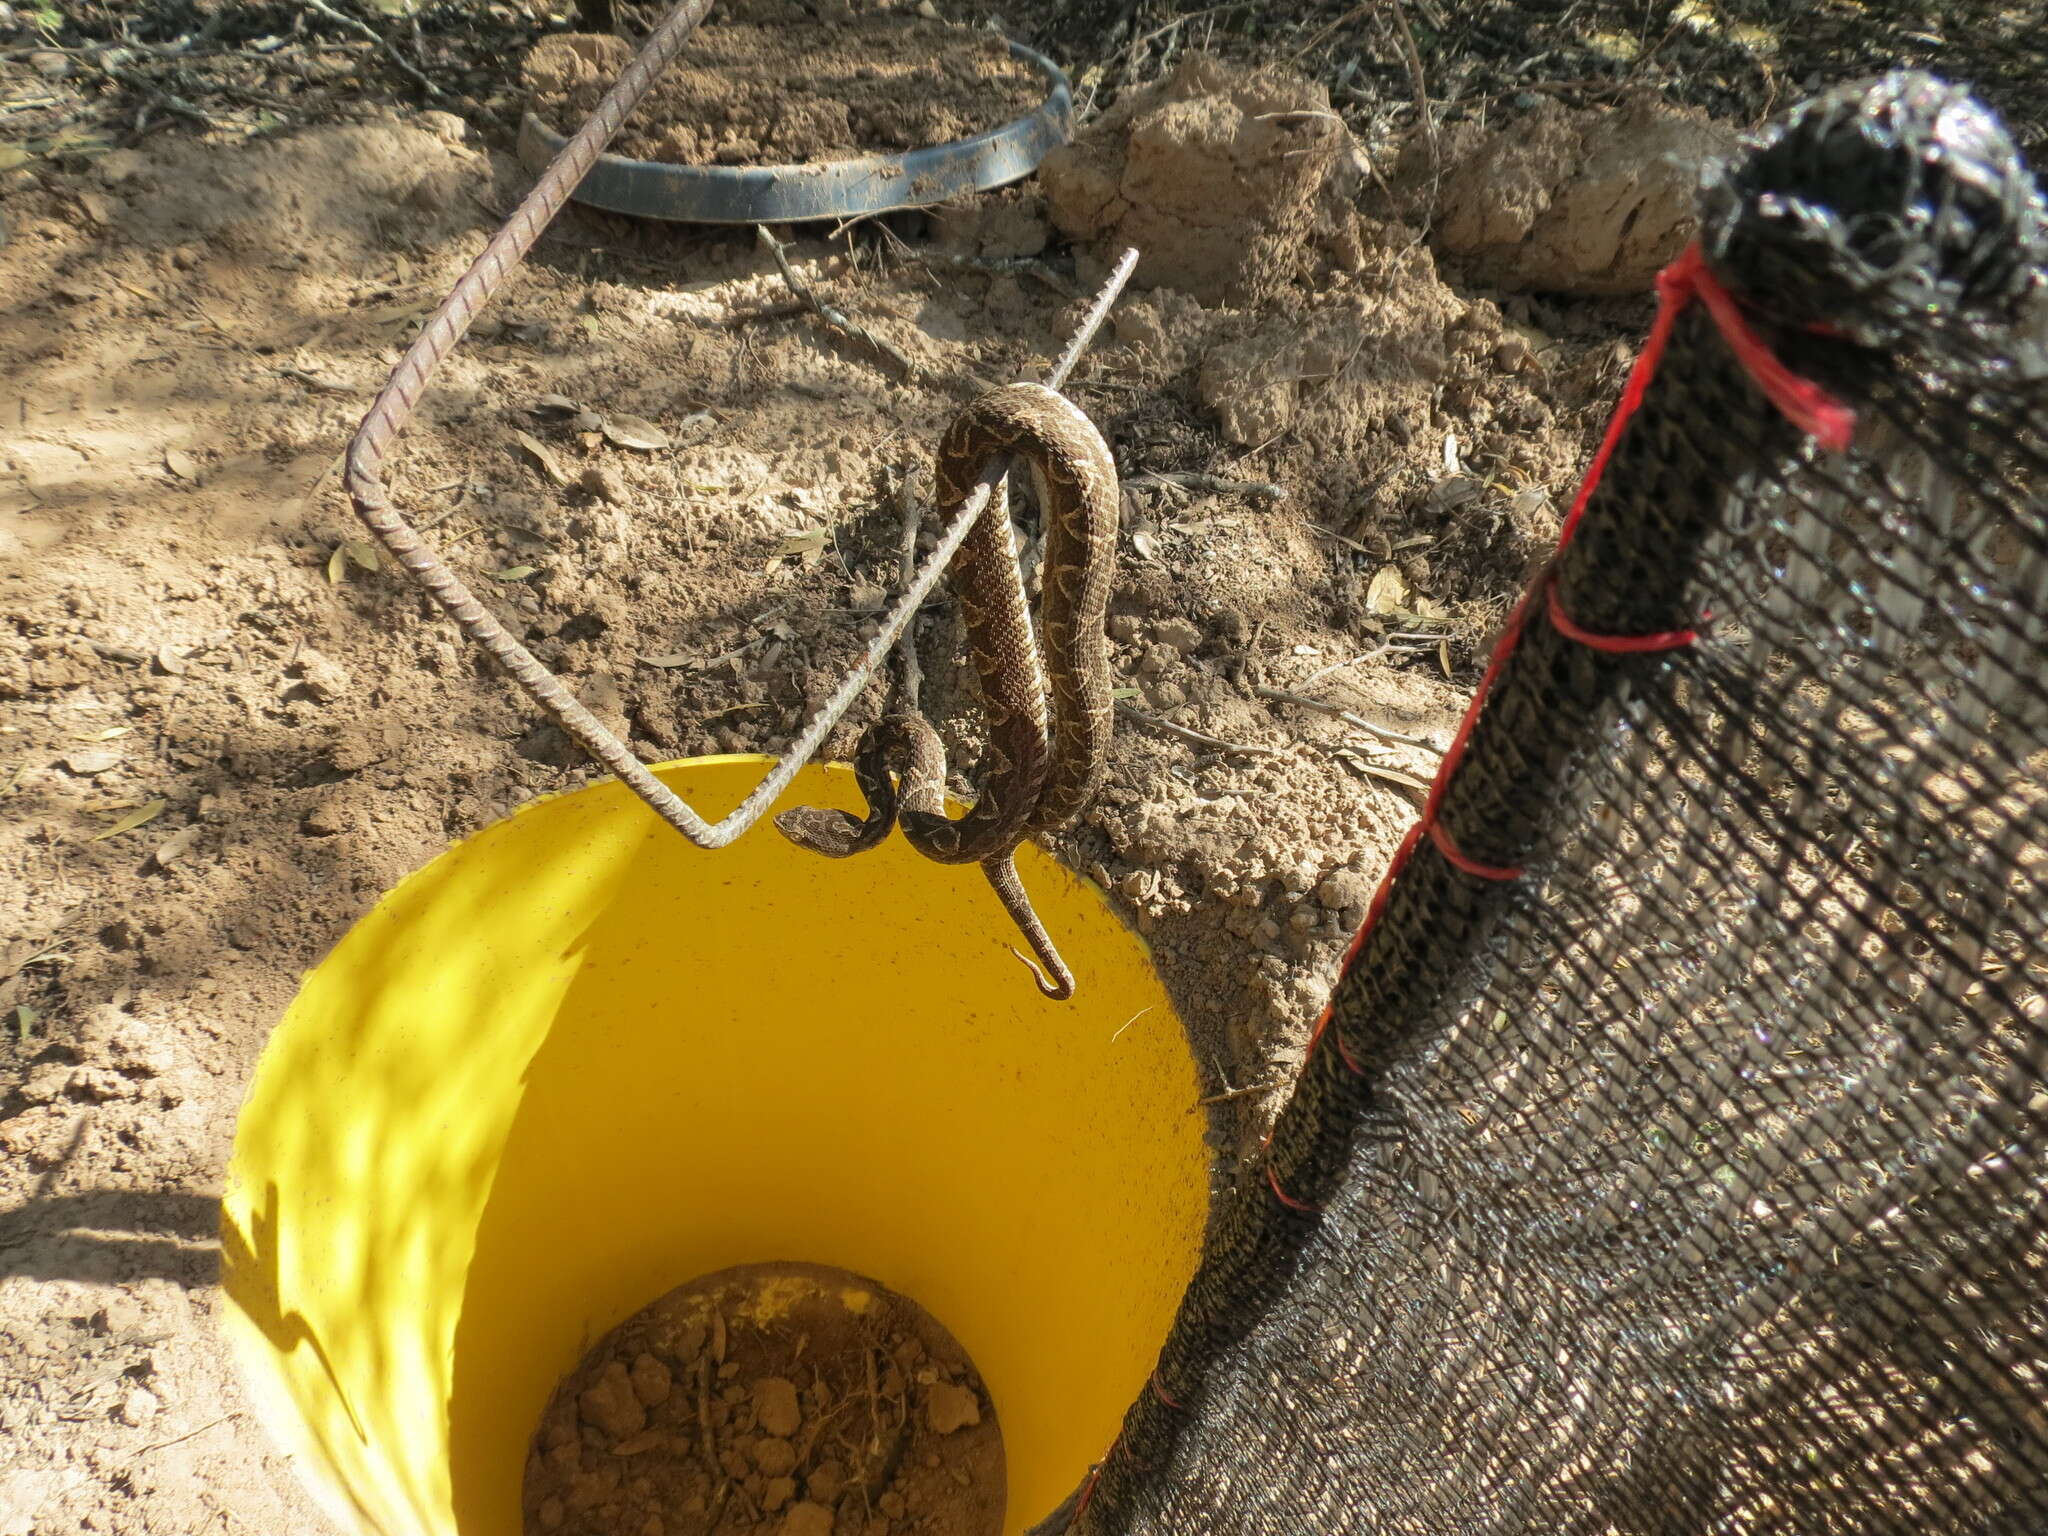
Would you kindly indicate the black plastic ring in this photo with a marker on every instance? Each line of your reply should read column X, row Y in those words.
column 830, row 189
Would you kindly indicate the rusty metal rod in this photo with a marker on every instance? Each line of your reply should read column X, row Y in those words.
column 393, row 407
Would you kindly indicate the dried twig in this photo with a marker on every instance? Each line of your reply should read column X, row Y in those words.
column 1350, row 661
column 1391, row 775
column 389, row 48
column 1246, row 1092
column 1342, row 538
column 1412, row 56
column 1216, row 484
column 1194, row 738
column 837, row 320
column 1383, row 732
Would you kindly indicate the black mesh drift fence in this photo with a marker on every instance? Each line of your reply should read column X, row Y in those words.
column 1670, row 1159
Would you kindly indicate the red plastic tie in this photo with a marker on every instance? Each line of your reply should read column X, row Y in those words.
column 1273, row 1182
column 1160, row 1392
column 1615, row 645
column 1088, row 1488
column 1458, row 860
column 1805, row 404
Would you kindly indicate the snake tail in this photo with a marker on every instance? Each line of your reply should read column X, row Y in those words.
column 1050, row 971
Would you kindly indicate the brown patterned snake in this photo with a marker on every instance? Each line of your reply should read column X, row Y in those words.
column 1042, row 764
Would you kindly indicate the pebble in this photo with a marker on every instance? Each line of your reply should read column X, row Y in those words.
column 775, row 1407
column 807, row 1519
column 651, row 1381
column 138, row 1407
column 1182, row 635
column 322, row 679
column 445, row 126
column 950, row 1406
column 611, row 1405
column 1345, row 888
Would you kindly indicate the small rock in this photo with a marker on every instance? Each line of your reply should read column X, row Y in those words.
column 1123, row 628
column 807, row 1519
column 1345, row 888
column 176, row 846
column 551, row 1514
column 320, row 679
column 1164, row 693
column 51, row 66
column 137, row 1408
column 774, row 1457
column 892, row 1505
column 445, row 126
column 86, row 764
column 603, row 482
column 651, row 1526
column 950, row 1406
column 331, row 815
column 1178, row 633
column 826, row 1482
column 122, row 1314
column 1159, row 659
column 775, row 1406
column 651, row 1380
column 779, row 1492
column 611, row 1404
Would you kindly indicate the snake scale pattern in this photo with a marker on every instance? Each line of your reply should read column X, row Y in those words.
column 1046, row 699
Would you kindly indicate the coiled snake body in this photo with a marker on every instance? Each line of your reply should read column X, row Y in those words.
column 1049, row 717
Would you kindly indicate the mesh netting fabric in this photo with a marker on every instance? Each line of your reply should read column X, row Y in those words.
column 1671, row 1157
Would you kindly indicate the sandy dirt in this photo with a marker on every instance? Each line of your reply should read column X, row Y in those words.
column 226, row 727
column 770, row 84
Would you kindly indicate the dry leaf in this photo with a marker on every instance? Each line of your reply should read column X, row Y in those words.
column 135, row 818
column 558, row 405
column 337, row 565
column 176, row 846
column 181, row 464
column 86, row 764
column 1388, row 592
column 544, row 457
column 170, row 660
column 24, row 1016
column 12, row 155
column 514, row 573
column 623, row 431
column 1443, row 656
column 1453, row 491
column 109, row 733
column 672, row 659
column 361, row 553
column 807, row 544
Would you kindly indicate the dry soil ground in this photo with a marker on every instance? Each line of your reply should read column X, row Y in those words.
column 1352, row 386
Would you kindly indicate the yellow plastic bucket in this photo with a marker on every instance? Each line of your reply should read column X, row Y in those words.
column 576, row 1061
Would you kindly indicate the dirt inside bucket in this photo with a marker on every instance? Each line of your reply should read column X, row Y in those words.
column 770, row 1400
column 770, row 84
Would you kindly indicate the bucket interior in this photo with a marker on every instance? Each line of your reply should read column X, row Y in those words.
column 576, row 1061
